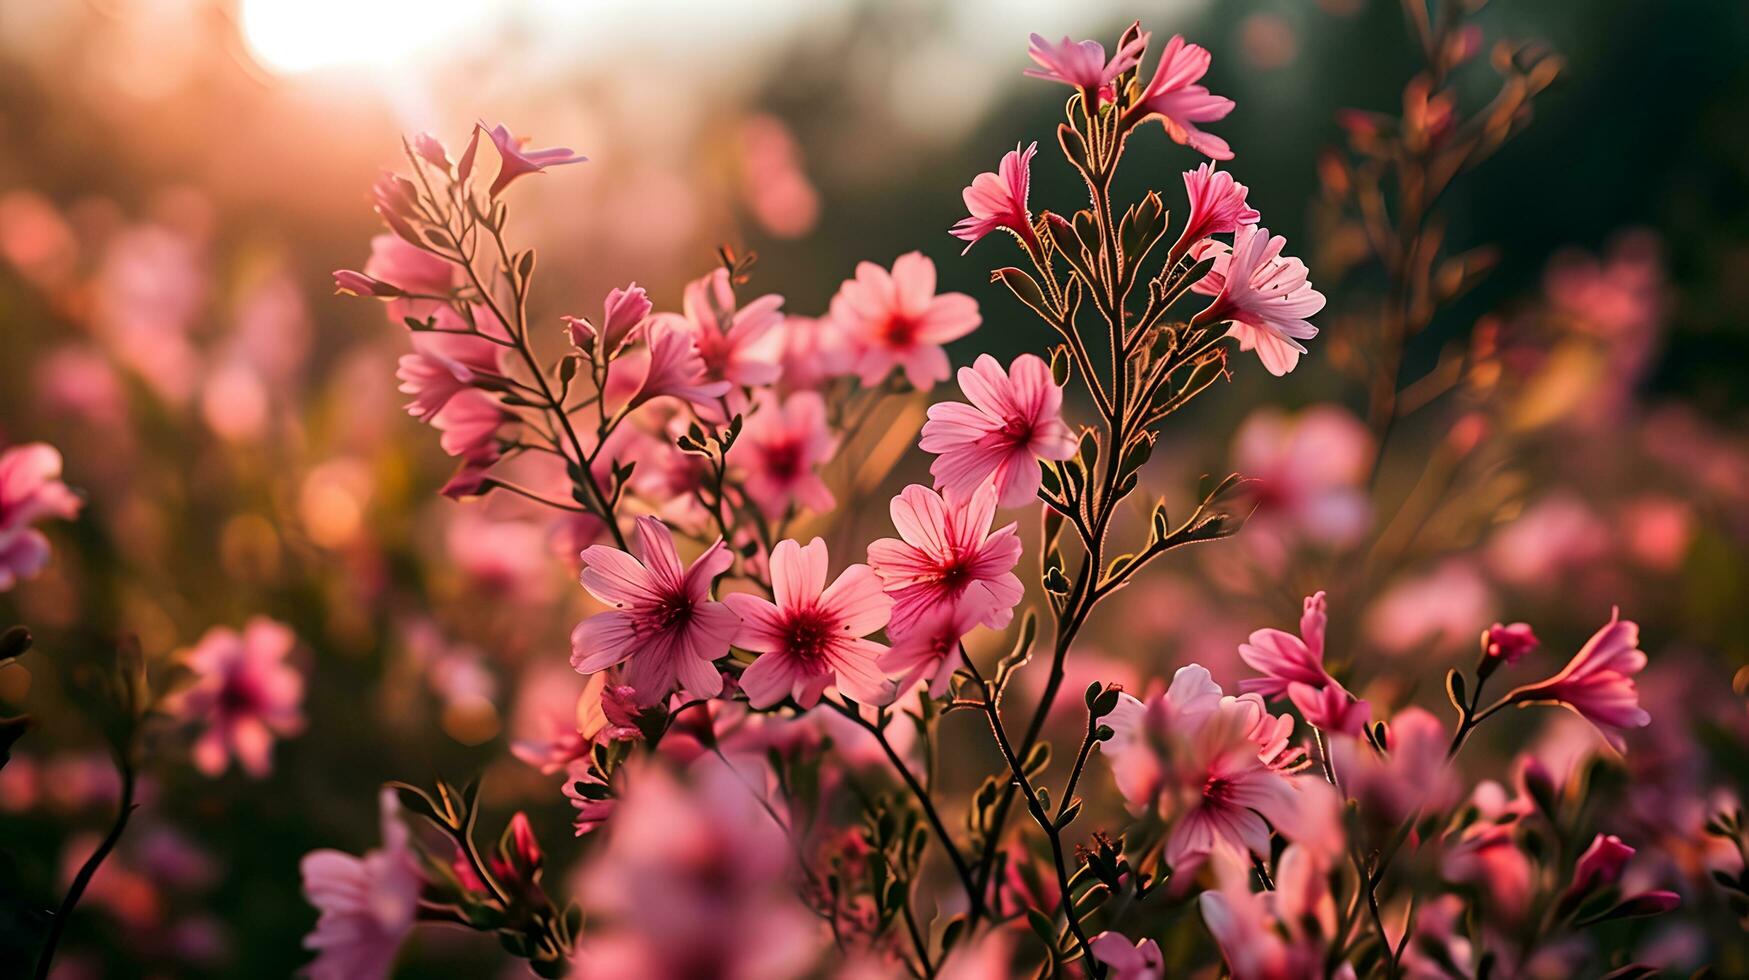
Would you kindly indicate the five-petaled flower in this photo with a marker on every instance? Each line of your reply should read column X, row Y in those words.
column 1266, row 295
column 895, row 319
column 663, row 626
column 946, row 549
column 243, row 697
column 1174, row 97
column 1014, row 420
column 997, row 201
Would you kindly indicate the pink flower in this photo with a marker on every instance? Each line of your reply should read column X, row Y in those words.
column 1126, row 962
column 621, row 313
column 663, row 621
column 1598, row 683
column 514, row 161
column 998, row 200
column 30, row 490
column 470, row 421
column 244, row 694
column 442, row 366
column 1174, row 96
column 1014, row 420
column 1309, row 471
column 1082, row 64
column 741, row 346
column 1294, row 666
column 814, row 351
column 779, row 452
column 368, row 904
column 1509, row 644
column 1412, row 778
column 895, row 319
column 1196, row 756
column 674, row 368
column 1600, row 866
column 931, row 647
column 812, row 637
column 1274, row 935
column 1217, row 207
column 1266, row 296
column 944, row 551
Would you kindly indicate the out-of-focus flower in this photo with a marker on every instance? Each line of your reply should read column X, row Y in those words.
column 1509, row 644
column 695, row 880
column 1308, row 471
column 664, row 625
column 1082, row 64
column 244, row 695
column 945, row 550
column 1274, row 935
column 1599, row 867
column 780, row 450
column 739, row 345
column 997, row 201
column 931, row 649
column 1438, row 609
column 1598, row 683
column 1555, row 535
column 1180, row 103
column 773, row 180
column 590, row 797
column 814, row 351
column 1266, row 296
column 1217, row 207
column 1412, row 778
column 30, row 491
column 1193, row 753
column 895, row 319
column 352, row 283
column 813, row 636
column 368, row 904
column 1124, row 961
column 1014, row 420
column 514, row 161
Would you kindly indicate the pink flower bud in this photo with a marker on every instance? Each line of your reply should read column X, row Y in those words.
column 524, row 850
column 359, row 284
column 1600, row 866
column 580, row 332
column 428, row 147
column 1509, row 643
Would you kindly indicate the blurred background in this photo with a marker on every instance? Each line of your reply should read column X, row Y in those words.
column 178, row 178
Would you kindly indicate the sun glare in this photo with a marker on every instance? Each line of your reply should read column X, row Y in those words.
column 294, row 37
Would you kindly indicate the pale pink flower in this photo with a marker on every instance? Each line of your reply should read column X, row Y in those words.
column 469, row 422
column 673, row 367
column 1217, row 207
column 1180, row 103
column 1294, row 666
column 514, row 161
column 1598, row 683
column 813, row 636
column 368, row 904
column 1014, row 420
column 1266, row 296
column 895, row 319
column 1082, row 64
column 1274, row 935
column 410, row 269
column 664, row 625
column 1126, row 962
column 814, row 352
column 946, row 549
column 30, row 491
column 1309, row 471
column 997, row 201
column 780, row 450
column 930, row 649
column 244, row 695
column 442, row 366
column 1194, row 755
column 1412, row 778
column 1436, row 610
column 742, row 345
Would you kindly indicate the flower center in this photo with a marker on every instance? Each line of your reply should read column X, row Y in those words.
column 809, row 637
column 900, row 330
column 673, row 612
column 1217, row 789
column 784, row 459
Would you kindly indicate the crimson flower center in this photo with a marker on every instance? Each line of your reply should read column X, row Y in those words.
column 809, row 637
column 899, row 331
column 784, row 459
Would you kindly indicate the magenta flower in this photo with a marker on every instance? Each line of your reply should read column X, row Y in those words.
column 1294, row 666
column 367, row 904
column 664, row 625
column 997, row 201
column 741, row 346
column 1014, row 420
column 1082, row 64
column 814, row 351
column 1217, row 207
column 1599, row 867
column 946, row 549
column 675, row 369
column 1280, row 934
column 895, row 319
column 1509, row 644
column 1124, row 961
column 780, row 450
column 1265, row 295
column 622, row 312
column 243, row 696
column 1195, row 756
column 30, row 491
column 514, row 161
column 813, row 636
column 930, row 648
column 1598, row 683
column 1180, row 103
